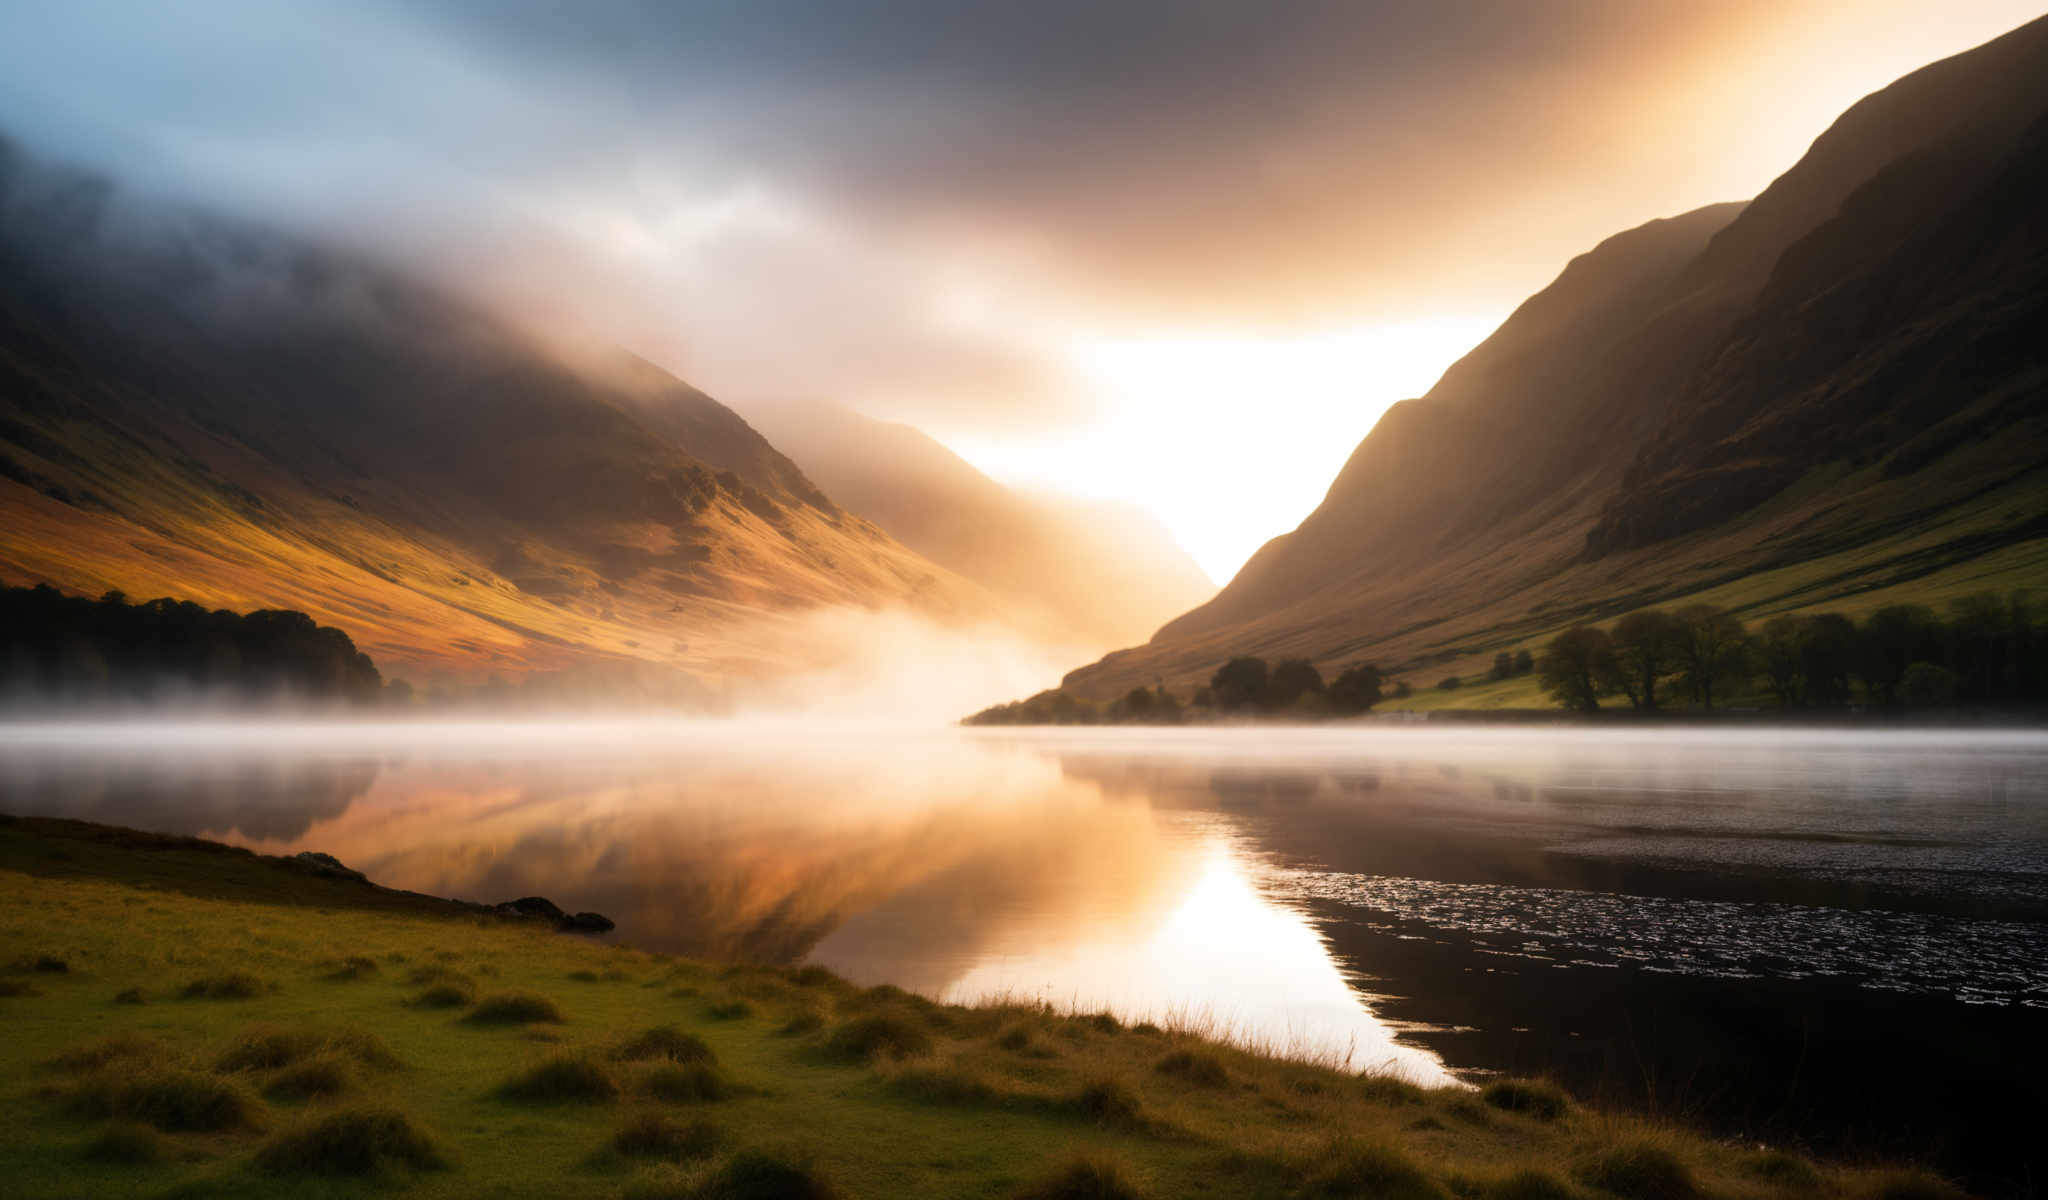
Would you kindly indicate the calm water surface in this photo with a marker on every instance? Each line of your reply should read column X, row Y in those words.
column 1756, row 927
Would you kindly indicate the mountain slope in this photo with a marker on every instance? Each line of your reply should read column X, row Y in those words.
column 199, row 408
column 1861, row 412
column 1097, row 574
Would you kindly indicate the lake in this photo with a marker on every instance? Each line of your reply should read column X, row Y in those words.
column 1834, row 937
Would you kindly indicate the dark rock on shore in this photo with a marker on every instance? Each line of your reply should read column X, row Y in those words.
column 326, row 864
column 586, row 922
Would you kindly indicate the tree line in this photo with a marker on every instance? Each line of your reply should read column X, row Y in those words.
column 70, row 650
column 1988, row 651
column 1243, row 686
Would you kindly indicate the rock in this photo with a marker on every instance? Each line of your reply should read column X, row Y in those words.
column 533, row 906
column 587, row 922
column 326, row 864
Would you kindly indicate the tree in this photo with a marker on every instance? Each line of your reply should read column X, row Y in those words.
column 1892, row 639
column 1644, row 650
column 1713, row 652
column 1503, row 666
column 1401, row 689
column 1525, row 662
column 1138, row 704
column 1573, row 665
column 1827, row 653
column 1355, row 690
column 1239, row 683
column 1777, row 652
column 1928, row 685
column 1292, row 679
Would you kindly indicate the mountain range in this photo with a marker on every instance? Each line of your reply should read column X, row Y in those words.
column 202, row 407
column 1831, row 395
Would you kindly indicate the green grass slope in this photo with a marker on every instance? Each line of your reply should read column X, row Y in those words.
column 191, row 1021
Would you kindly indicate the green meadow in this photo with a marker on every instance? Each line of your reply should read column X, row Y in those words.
column 185, row 1020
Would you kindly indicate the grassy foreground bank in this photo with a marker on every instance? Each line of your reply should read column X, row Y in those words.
column 192, row 1022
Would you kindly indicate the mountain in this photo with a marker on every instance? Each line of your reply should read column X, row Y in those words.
column 199, row 407
column 1832, row 394
column 1096, row 574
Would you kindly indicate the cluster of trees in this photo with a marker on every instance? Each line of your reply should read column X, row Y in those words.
column 1988, row 651
column 64, row 649
column 1244, row 686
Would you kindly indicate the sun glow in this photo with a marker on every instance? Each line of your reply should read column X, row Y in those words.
column 1229, row 438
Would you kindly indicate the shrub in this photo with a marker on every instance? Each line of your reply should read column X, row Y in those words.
column 235, row 985
column 1371, row 1169
column 1107, row 1102
column 515, row 1008
column 325, row 1074
column 1084, row 1177
column 730, row 1010
column 355, row 1141
column 1639, row 1171
column 879, row 1034
column 1531, row 1097
column 128, row 1144
column 173, row 1101
column 563, row 1078
column 667, row 1043
column 814, row 976
column 1198, row 1067
column 583, row 976
column 1449, row 683
column 686, row 1083
column 654, row 1134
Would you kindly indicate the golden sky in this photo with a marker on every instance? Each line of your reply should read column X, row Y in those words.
column 1178, row 252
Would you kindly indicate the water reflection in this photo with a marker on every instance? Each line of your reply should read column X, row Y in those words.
column 1622, row 909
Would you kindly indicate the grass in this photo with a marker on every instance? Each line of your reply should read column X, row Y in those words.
column 1530, row 1097
column 339, row 1091
column 515, row 1008
column 367, row 1141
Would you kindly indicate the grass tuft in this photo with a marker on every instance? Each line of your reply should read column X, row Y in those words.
column 1085, row 1176
column 664, row 1043
column 766, row 1175
column 322, row 1076
column 877, row 1035
column 687, row 1083
column 171, row 1100
column 130, row 1050
column 1109, row 1103
column 1639, row 1170
column 1784, row 1169
column 354, row 967
column 134, row 995
column 128, row 1144
column 1390, row 1090
column 1529, row 1183
column 445, row 995
column 271, row 1047
column 1373, row 1169
column 730, row 1010
column 233, row 985
column 952, row 1085
column 655, row 1134
column 810, row 1020
column 15, row 987
column 1198, row 1067
column 569, row 1077
column 515, row 1008
column 354, row 1141
column 1530, row 1097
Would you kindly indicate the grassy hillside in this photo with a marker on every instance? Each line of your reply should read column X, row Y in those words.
column 1827, row 398
column 203, row 409
column 195, row 1021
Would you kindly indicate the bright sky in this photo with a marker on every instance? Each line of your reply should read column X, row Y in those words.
column 1182, row 255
